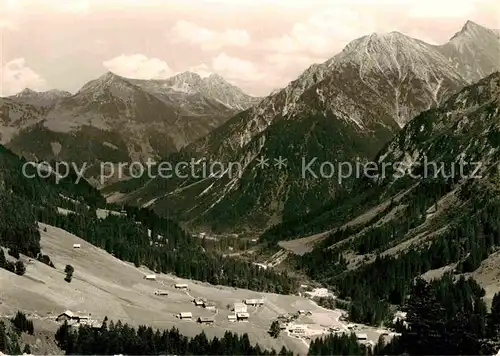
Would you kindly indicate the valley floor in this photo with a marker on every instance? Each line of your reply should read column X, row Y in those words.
column 103, row 286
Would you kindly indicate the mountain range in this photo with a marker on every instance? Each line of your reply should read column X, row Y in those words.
column 436, row 213
column 116, row 119
column 345, row 109
column 39, row 99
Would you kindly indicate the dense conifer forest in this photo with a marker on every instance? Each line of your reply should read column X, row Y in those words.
column 117, row 338
column 444, row 317
column 10, row 333
column 9, row 340
column 22, row 199
column 470, row 237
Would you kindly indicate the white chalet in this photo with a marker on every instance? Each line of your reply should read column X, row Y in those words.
column 186, row 315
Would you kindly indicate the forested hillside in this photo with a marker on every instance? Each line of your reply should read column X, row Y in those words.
column 423, row 220
column 22, row 198
column 444, row 317
column 137, row 235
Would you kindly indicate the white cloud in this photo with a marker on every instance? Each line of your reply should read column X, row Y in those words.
column 233, row 68
column 184, row 31
column 138, row 66
column 322, row 34
column 16, row 76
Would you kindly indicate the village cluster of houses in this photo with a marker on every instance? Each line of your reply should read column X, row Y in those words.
column 304, row 330
column 202, row 320
column 202, row 302
column 241, row 309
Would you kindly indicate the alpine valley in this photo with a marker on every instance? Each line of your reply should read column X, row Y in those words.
column 407, row 255
column 343, row 110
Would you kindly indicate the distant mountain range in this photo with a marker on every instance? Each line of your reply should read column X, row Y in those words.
column 344, row 109
column 39, row 99
column 116, row 119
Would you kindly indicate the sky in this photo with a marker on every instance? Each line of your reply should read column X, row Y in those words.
column 257, row 45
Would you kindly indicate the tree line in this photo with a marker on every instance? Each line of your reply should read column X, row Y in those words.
column 118, row 338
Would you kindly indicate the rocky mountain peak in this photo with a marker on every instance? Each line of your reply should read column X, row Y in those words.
column 463, row 48
column 109, row 77
column 108, row 82
column 26, row 92
column 400, row 63
column 198, row 83
column 186, row 77
column 392, row 45
column 216, row 79
column 57, row 92
column 472, row 30
column 214, row 87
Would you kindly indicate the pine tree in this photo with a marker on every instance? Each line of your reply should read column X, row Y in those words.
column 275, row 330
column 3, row 337
column 20, row 268
column 494, row 318
column 3, row 260
column 69, row 273
column 14, row 252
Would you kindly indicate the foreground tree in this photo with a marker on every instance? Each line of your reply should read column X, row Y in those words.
column 22, row 323
column 69, row 273
column 20, row 268
column 444, row 318
column 275, row 330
